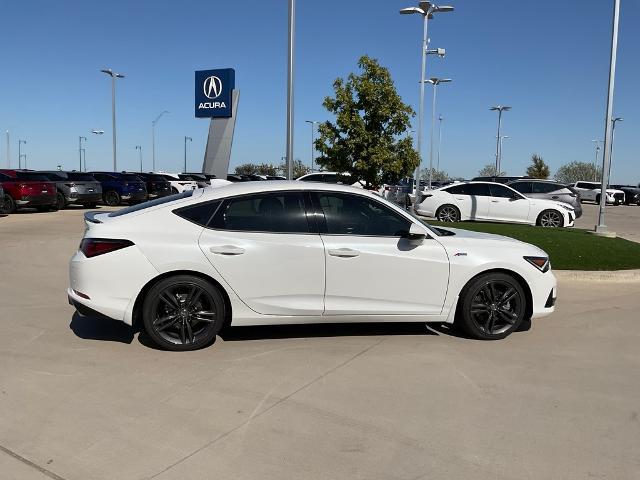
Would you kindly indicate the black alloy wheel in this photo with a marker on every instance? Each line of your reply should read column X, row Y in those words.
column 112, row 198
column 448, row 213
column 183, row 313
column 8, row 205
column 492, row 306
column 62, row 203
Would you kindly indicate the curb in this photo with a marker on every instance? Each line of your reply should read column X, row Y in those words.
column 615, row 276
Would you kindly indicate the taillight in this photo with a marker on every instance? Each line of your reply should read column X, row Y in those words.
column 92, row 247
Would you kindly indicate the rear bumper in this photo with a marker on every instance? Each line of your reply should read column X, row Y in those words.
column 132, row 196
column 159, row 193
column 36, row 200
column 85, row 198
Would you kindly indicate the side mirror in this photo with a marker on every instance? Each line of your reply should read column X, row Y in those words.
column 416, row 234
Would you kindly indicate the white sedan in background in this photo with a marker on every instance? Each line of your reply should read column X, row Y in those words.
column 178, row 185
column 260, row 253
column 493, row 202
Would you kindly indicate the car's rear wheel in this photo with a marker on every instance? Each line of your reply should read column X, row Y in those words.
column 448, row 213
column 550, row 219
column 112, row 198
column 183, row 313
column 598, row 199
column 62, row 203
column 491, row 306
column 8, row 206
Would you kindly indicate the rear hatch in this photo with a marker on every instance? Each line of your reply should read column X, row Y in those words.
column 33, row 184
column 133, row 182
column 83, row 182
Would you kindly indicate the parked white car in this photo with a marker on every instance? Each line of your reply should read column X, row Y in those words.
column 259, row 253
column 330, row 177
column 207, row 179
column 493, row 202
column 178, row 185
column 590, row 191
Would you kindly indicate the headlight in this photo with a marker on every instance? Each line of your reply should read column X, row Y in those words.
column 541, row 263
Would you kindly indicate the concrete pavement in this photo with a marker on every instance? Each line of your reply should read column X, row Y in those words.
column 89, row 399
column 622, row 219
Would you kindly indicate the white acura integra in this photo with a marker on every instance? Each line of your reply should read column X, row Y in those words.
column 259, row 253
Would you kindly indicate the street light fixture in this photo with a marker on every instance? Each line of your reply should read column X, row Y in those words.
column 313, row 123
column 427, row 10
column 185, row 152
column 138, row 147
column 499, row 109
column 97, row 132
column 435, row 82
column 20, row 142
column 113, row 76
column 153, row 139
column 80, row 138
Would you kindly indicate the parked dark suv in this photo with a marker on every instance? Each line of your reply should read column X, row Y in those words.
column 121, row 187
column 75, row 187
column 157, row 185
column 631, row 193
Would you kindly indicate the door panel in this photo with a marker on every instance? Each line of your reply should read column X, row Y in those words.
column 506, row 205
column 383, row 275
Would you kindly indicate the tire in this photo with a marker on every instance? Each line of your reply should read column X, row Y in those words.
column 598, row 199
column 550, row 219
column 8, row 206
column 183, row 329
column 62, row 202
column 112, row 198
column 448, row 213
column 482, row 312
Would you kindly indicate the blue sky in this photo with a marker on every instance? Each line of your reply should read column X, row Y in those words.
column 550, row 66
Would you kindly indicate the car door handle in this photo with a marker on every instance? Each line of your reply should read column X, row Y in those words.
column 555, row 197
column 343, row 252
column 495, row 201
column 226, row 250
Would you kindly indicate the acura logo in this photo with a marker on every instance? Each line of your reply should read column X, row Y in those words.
column 212, row 87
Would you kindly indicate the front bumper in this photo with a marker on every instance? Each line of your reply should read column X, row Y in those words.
column 544, row 292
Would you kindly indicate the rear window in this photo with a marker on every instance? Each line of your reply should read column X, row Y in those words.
column 151, row 203
column 33, row 176
column 200, row 214
column 80, row 177
column 130, row 177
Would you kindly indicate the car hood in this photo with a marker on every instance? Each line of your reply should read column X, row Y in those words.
column 471, row 235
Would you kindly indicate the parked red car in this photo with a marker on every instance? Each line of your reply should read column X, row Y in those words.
column 26, row 190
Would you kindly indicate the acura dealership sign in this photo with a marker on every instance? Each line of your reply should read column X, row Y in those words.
column 213, row 92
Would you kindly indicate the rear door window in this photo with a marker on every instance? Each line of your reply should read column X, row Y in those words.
column 522, row 187
column 543, row 187
column 281, row 212
column 499, row 190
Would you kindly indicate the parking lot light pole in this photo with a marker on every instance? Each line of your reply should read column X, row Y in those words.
column 426, row 9
column 435, row 82
column 8, row 150
column 153, row 139
column 185, row 152
column 139, row 148
column 613, row 139
column 20, row 142
column 601, row 227
column 290, row 85
column 113, row 76
column 595, row 164
column 80, row 138
column 313, row 124
column 440, row 119
column 499, row 109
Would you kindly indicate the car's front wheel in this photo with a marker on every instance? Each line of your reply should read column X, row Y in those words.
column 550, row 219
column 448, row 213
column 491, row 306
column 183, row 312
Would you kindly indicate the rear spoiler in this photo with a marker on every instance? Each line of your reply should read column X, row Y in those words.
column 91, row 217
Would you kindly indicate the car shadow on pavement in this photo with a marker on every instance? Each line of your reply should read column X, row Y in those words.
column 264, row 332
column 98, row 328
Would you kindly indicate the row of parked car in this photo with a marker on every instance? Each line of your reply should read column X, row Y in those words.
column 54, row 190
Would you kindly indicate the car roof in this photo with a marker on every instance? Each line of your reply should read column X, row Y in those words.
column 243, row 188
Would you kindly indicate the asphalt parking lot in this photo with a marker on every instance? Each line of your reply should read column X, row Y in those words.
column 90, row 399
column 622, row 219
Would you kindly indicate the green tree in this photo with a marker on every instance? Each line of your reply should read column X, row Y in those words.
column 489, row 170
column 368, row 137
column 538, row 168
column 299, row 168
column 256, row 169
column 576, row 171
column 436, row 176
